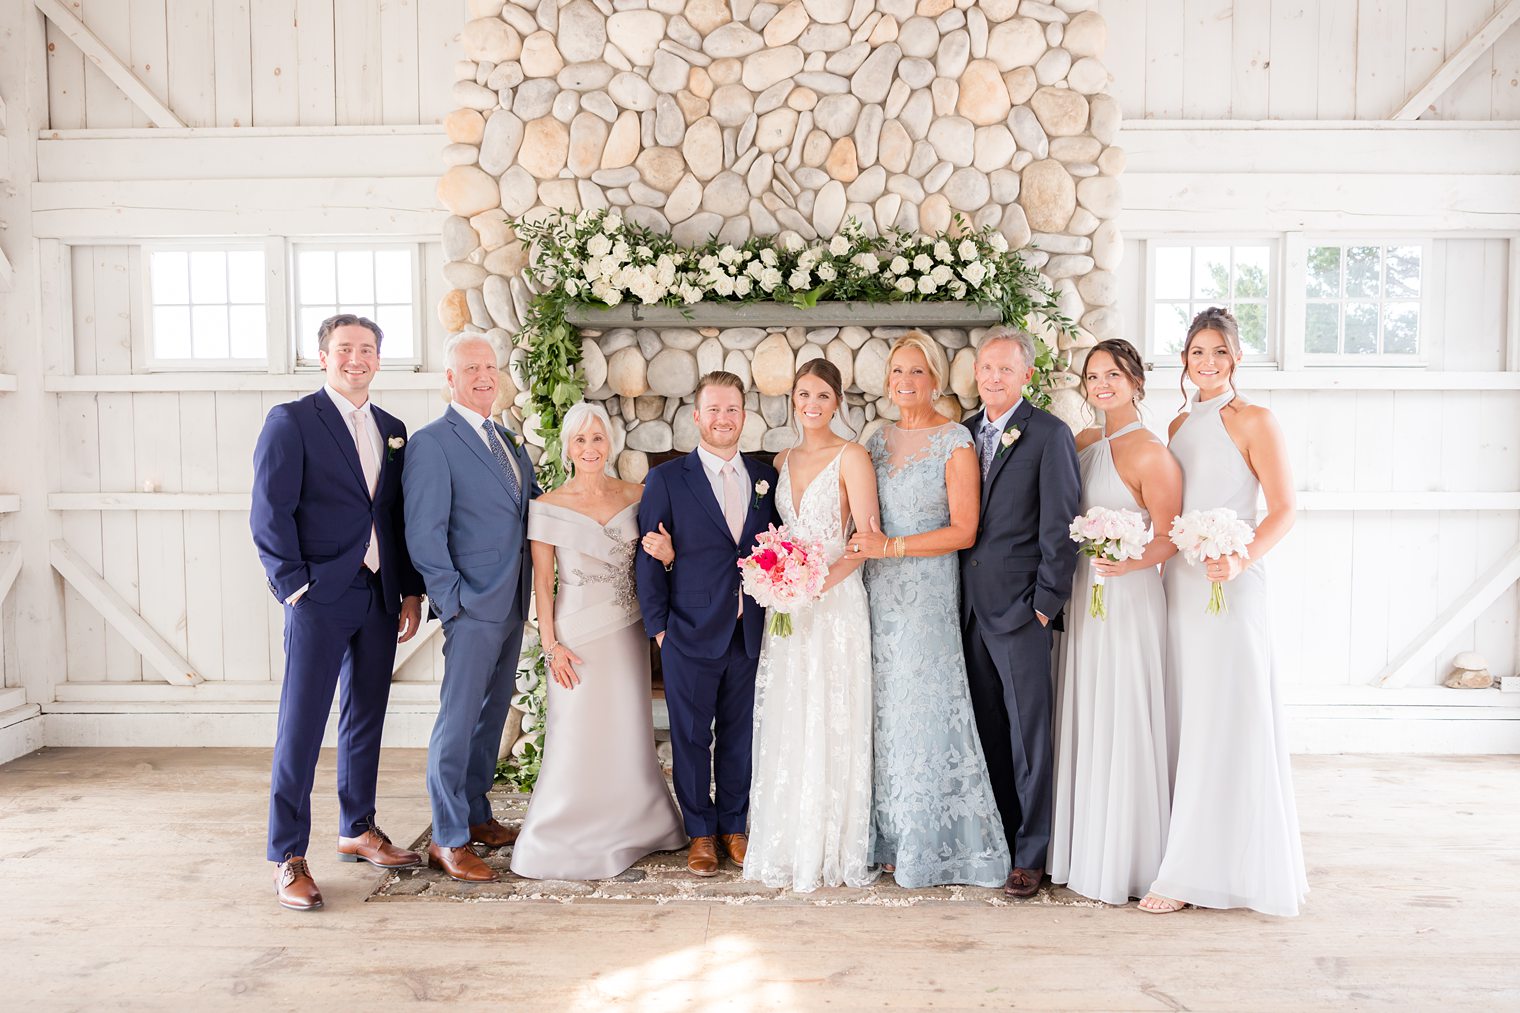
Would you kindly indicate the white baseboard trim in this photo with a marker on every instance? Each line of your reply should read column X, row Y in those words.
column 20, row 732
column 1467, row 724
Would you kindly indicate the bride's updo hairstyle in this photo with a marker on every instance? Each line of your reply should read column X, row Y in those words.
column 829, row 373
column 1221, row 321
column 1125, row 357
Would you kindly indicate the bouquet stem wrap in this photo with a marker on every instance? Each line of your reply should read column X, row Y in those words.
column 1212, row 534
column 1112, row 535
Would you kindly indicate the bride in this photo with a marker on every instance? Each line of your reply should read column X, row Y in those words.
column 810, row 798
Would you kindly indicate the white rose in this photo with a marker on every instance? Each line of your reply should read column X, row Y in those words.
column 958, row 289
column 942, row 250
column 793, row 242
column 612, row 222
column 742, row 287
column 922, row 262
column 926, row 285
column 826, row 272
column 998, row 242
column 898, row 265
column 905, row 285
column 768, row 257
column 839, row 246
column 723, row 285
column 770, row 278
column 866, row 262
column 941, row 274
column 967, row 250
column 800, row 279
column 728, row 255
column 599, row 245
column 975, row 272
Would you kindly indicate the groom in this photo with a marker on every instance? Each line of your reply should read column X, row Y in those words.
column 1015, row 580
column 713, row 503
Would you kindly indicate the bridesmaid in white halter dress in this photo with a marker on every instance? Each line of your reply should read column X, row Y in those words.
column 1234, row 839
column 1112, row 796
column 810, row 796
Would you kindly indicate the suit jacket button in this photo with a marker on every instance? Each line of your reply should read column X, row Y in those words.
column 736, row 592
column 973, row 562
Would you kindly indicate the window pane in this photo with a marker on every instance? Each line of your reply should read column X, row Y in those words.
column 396, row 323
column 1252, row 318
column 1361, row 273
column 1401, row 272
column 248, row 333
column 208, row 332
column 1173, row 272
column 1251, row 268
column 1320, row 325
column 1324, row 275
column 170, row 275
column 393, row 275
column 1361, row 328
column 1171, row 323
column 208, row 276
column 245, row 276
column 311, row 320
column 1401, row 327
column 356, row 277
column 1211, row 272
column 171, row 331
column 315, row 271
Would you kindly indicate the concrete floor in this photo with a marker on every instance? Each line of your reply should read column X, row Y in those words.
column 133, row 879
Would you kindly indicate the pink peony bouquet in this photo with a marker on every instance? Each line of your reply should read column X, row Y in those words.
column 783, row 575
column 1114, row 535
column 1212, row 534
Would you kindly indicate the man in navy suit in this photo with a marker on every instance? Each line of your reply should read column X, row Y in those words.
column 1015, row 580
column 713, row 503
column 327, row 521
column 468, row 484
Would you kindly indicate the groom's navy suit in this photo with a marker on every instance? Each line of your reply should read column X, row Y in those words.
column 710, row 653
column 1021, row 563
column 312, row 516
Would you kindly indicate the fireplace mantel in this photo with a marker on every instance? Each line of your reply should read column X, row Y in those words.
column 771, row 314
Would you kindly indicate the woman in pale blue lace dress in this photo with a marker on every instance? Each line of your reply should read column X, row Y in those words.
column 935, row 818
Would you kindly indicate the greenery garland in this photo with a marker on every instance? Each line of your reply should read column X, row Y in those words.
column 599, row 259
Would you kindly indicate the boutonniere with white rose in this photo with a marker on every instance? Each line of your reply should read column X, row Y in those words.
column 1008, row 439
column 394, row 444
column 761, row 488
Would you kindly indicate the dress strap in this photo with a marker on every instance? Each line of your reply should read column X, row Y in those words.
column 1137, row 424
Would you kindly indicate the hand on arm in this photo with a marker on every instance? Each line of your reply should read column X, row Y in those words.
column 659, row 545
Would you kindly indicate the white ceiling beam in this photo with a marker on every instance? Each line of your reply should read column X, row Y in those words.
column 110, row 65
column 1456, row 65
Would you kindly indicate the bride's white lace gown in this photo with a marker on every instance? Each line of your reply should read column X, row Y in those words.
column 810, row 797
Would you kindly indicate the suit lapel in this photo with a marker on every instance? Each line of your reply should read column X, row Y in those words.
column 388, row 428
column 1000, row 456
column 342, row 436
column 477, row 446
column 701, row 490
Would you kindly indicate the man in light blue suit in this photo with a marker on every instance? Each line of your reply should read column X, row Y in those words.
column 467, row 485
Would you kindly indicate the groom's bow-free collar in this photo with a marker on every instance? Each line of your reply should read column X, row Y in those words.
column 704, row 474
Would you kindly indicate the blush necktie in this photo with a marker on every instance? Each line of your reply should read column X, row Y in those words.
column 364, row 443
column 733, row 509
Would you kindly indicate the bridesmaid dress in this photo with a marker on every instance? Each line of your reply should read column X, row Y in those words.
column 1112, row 796
column 600, row 803
column 810, row 799
column 1234, row 839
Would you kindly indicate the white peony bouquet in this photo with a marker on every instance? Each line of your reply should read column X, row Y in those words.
column 1212, row 534
column 1115, row 535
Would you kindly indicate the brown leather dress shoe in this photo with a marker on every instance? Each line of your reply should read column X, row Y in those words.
column 492, row 834
column 461, row 864
column 1023, row 882
column 374, row 847
column 702, row 859
column 736, row 845
column 294, row 887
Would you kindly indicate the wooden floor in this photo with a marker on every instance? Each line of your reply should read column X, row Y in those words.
column 134, row 879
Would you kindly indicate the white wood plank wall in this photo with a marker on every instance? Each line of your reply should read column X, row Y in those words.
column 1303, row 59
column 264, row 63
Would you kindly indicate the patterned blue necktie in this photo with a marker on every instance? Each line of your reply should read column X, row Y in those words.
column 989, row 442
column 500, row 453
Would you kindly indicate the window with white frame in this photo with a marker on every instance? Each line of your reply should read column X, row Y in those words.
column 1363, row 300
column 206, row 307
column 378, row 282
column 1186, row 279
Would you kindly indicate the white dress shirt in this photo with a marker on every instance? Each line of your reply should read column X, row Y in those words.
column 1001, row 422
column 477, row 422
column 714, row 465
